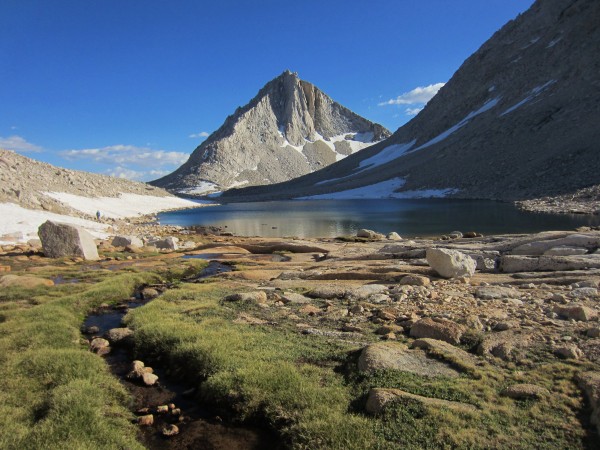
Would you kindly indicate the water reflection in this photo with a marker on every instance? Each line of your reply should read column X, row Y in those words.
column 329, row 218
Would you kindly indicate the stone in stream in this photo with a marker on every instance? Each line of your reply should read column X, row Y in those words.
column 147, row 420
column 149, row 293
column 170, row 430
column 138, row 369
column 60, row 240
column 149, row 379
column 100, row 346
column 450, row 263
column 120, row 336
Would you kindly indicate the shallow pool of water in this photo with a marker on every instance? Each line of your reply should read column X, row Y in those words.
column 409, row 218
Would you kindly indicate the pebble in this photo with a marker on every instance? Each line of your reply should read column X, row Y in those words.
column 147, row 420
column 170, row 430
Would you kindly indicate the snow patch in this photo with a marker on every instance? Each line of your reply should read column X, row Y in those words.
column 202, row 188
column 18, row 220
column 126, row 205
column 384, row 189
column 386, row 155
column 533, row 94
column 440, row 137
column 553, row 42
column 237, row 184
column 377, row 190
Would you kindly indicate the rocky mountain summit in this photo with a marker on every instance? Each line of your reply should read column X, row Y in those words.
column 289, row 129
column 518, row 120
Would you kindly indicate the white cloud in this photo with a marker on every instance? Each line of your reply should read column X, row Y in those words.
column 413, row 111
column 202, row 134
column 123, row 155
column 129, row 161
column 18, row 144
column 137, row 175
column 419, row 95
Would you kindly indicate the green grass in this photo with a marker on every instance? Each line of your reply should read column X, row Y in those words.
column 54, row 394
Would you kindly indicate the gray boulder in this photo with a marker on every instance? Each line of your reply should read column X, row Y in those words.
column 450, row 263
column 441, row 329
column 124, row 241
column 61, row 239
column 168, row 243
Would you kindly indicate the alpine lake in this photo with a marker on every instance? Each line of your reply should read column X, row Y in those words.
column 409, row 218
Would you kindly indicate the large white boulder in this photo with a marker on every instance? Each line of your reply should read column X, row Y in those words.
column 61, row 239
column 450, row 263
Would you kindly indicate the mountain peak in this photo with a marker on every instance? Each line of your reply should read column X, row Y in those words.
column 290, row 128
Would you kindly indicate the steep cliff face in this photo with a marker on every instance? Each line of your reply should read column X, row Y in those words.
column 289, row 129
column 518, row 120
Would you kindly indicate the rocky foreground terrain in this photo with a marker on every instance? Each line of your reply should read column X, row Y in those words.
column 468, row 341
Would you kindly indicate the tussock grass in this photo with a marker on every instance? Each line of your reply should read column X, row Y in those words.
column 54, row 394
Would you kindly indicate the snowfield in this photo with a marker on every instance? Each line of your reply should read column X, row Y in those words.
column 126, row 205
column 385, row 189
column 22, row 224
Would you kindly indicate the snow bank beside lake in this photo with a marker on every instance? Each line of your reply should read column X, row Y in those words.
column 19, row 224
column 22, row 224
column 126, row 205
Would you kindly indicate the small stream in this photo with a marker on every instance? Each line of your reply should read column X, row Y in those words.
column 199, row 426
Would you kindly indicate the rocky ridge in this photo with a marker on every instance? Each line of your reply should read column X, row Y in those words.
column 24, row 181
column 289, row 129
column 516, row 121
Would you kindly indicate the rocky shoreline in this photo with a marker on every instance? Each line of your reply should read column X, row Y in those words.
column 583, row 201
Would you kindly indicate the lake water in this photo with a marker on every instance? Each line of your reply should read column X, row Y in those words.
column 409, row 218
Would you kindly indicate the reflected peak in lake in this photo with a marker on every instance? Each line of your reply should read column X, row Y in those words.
column 409, row 218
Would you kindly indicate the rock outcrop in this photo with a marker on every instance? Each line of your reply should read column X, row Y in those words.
column 60, row 240
column 26, row 182
column 289, row 129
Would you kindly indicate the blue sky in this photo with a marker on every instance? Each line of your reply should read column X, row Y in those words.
column 131, row 87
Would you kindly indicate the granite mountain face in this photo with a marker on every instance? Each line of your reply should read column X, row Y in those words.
column 289, row 129
column 518, row 120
